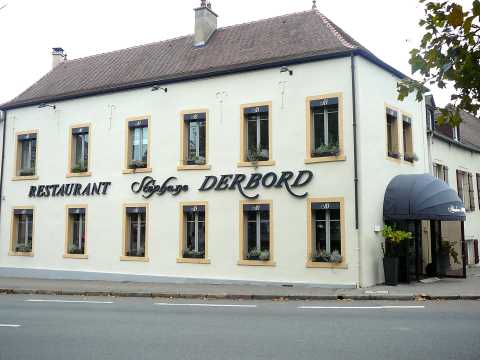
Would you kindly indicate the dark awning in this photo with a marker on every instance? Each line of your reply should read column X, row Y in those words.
column 422, row 197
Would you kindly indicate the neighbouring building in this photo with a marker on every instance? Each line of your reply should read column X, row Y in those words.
column 259, row 152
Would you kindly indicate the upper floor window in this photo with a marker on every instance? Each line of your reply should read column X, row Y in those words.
column 79, row 159
column 456, row 133
column 76, row 232
column 408, row 154
column 256, row 134
column 193, row 233
column 465, row 189
column 138, row 141
column 194, row 140
column 22, row 232
column 478, row 189
column 325, row 129
column 430, row 119
column 135, row 236
column 26, row 154
column 393, row 147
column 440, row 172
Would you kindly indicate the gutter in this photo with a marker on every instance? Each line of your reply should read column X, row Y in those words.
column 3, row 117
column 454, row 142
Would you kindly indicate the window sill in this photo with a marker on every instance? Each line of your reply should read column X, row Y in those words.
column 193, row 261
column 134, row 258
column 260, row 163
column 75, row 256
column 21, row 178
column 320, row 265
column 322, row 159
column 256, row 263
column 13, row 253
column 82, row 174
column 137, row 171
column 396, row 160
column 193, row 167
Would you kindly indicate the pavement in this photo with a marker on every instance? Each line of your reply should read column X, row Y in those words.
column 44, row 327
column 444, row 289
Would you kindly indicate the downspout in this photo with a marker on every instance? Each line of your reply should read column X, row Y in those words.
column 3, row 117
column 355, row 163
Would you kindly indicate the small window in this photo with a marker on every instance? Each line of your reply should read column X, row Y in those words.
column 440, row 172
column 138, row 158
column 408, row 154
column 326, row 243
column 79, row 150
column 193, row 233
column 392, row 134
column 256, row 232
column 76, row 232
column 465, row 189
column 430, row 119
column 194, row 134
column 22, row 232
column 136, row 232
column 456, row 133
column 478, row 189
column 26, row 155
column 256, row 125
column 324, row 128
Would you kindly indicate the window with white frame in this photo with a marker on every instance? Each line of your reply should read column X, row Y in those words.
column 392, row 134
column 408, row 154
column 27, row 154
column 456, row 133
column 80, row 139
column 138, row 144
column 324, row 127
column 196, row 135
column 440, row 172
column 257, row 133
column 22, row 238
column 256, row 232
column 135, row 242
column 326, row 233
column 76, row 231
column 194, row 241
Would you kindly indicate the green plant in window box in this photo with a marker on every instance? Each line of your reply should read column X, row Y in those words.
column 196, row 160
column 23, row 248
column 332, row 149
column 79, row 168
column 193, row 254
column 410, row 157
column 333, row 257
column 255, row 155
column 257, row 254
column 137, row 164
column 27, row 172
column 135, row 253
column 76, row 250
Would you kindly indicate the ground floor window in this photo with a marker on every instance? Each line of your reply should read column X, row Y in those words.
column 325, row 232
column 256, row 232
column 193, row 231
column 136, row 232
column 76, row 231
column 22, row 231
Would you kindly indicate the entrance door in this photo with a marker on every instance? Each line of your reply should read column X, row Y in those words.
column 448, row 249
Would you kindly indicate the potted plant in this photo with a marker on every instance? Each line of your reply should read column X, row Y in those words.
column 76, row 250
column 410, row 157
column 23, row 248
column 79, row 168
column 196, row 160
column 257, row 154
column 447, row 251
column 135, row 253
column 137, row 164
column 333, row 257
column 27, row 172
column 391, row 249
column 193, row 254
column 326, row 150
column 257, row 254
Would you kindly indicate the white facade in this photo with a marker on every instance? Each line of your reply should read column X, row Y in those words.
column 222, row 97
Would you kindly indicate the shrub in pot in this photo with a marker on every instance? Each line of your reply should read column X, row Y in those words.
column 447, row 251
column 391, row 250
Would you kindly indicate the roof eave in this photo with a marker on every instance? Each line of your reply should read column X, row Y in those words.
column 456, row 143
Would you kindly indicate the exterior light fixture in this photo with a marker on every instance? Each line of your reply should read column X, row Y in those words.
column 42, row 105
column 158, row 87
column 285, row 69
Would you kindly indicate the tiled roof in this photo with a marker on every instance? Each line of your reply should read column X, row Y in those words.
column 469, row 132
column 286, row 39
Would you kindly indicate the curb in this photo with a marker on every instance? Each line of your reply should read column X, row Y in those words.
column 273, row 297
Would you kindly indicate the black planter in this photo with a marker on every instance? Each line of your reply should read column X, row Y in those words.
column 390, row 268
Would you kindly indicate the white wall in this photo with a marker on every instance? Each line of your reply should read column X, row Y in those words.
column 105, row 213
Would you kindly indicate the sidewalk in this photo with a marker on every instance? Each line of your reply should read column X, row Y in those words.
column 445, row 289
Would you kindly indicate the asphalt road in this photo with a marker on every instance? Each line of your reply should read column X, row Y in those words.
column 112, row 328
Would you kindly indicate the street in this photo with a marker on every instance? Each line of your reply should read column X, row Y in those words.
column 43, row 327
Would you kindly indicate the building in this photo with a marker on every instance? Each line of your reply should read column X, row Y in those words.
column 258, row 152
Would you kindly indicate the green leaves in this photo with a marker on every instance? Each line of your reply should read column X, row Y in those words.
column 455, row 18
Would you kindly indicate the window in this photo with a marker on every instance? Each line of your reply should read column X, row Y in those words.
column 326, row 246
column 194, row 140
column 193, row 233
column 138, row 139
column 465, row 189
column 392, row 134
column 430, row 119
column 26, row 155
column 256, row 138
column 456, row 133
column 79, row 150
column 135, row 236
column 408, row 154
column 478, row 189
column 22, row 232
column 256, row 233
column 76, row 243
column 440, row 172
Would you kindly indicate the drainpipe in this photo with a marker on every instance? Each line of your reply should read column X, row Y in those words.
column 355, row 163
column 3, row 118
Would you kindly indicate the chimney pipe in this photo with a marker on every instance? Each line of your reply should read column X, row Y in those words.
column 58, row 56
column 205, row 23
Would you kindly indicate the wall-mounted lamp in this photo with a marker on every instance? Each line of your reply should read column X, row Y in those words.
column 158, row 87
column 42, row 105
column 285, row 69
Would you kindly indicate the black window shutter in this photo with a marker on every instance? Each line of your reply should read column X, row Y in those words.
column 445, row 174
column 471, row 192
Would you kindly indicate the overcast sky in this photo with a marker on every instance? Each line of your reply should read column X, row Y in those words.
column 30, row 28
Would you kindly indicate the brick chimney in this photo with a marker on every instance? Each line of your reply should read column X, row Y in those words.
column 58, row 56
column 205, row 23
